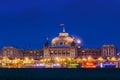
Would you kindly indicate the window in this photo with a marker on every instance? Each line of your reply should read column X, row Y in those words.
column 51, row 51
column 57, row 43
column 61, row 43
column 37, row 54
column 68, row 52
column 63, row 52
column 59, row 52
column 56, row 52
column 34, row 51
column 30, row 51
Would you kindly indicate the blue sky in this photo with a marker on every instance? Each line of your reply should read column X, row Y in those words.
column 25, row 23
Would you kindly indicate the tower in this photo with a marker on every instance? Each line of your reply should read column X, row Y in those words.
column 46, row 49
column 109, row 51
column 73, row 50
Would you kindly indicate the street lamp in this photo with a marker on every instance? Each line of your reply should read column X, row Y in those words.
column 78, row 43
column 100, row 59
column 78, row 60
column 113, row 59
column 90, row 59
column 84, row 59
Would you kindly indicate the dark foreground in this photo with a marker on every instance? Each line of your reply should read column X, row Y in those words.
column 59, row 74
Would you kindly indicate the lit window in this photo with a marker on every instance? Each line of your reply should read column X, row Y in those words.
column 30, row 51
column 51, row 51
column 83, row 51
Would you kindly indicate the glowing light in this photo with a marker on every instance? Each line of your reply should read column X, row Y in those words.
column 78, row 41
column 100, row 59
column 90, row 64
column 101, row 65
column 83, row 51
column 108, row 64
column 84, row 59
column 74, row 64
column 57, row 58
column 78, row 60
column 56, row 64
column 40, row 64
column 113, row 59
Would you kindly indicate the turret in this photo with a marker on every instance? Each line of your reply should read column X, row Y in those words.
column 73, row 44
column 46, row 43
column 73, row 50
column 46, row 48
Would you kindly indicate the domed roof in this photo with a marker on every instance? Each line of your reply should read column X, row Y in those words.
column 62, row 40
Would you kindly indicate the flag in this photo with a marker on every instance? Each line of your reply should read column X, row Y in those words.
column 62, row 25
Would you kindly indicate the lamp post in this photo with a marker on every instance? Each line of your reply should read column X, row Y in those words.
column 114, row 60
column 84, row 60
column 78, row 60
column 90, row 59
column 5, row 61
column 100, row 61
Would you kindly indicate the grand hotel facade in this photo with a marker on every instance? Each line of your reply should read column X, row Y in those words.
column 62, row 46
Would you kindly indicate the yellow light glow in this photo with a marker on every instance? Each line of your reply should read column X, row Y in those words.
column 113, row 59
column 57, row 58
column 84, row 59
column 100, row 59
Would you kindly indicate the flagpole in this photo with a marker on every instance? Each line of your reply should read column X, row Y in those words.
column 63, row 27
column 46, row 38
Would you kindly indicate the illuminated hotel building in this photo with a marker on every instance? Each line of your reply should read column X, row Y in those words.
column 62, row 46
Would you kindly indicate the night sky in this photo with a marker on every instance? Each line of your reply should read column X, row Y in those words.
column 25, row 23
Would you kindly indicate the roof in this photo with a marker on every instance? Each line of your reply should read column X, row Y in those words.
column 61, row 47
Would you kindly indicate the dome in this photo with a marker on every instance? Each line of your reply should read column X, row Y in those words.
column 62, row 40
